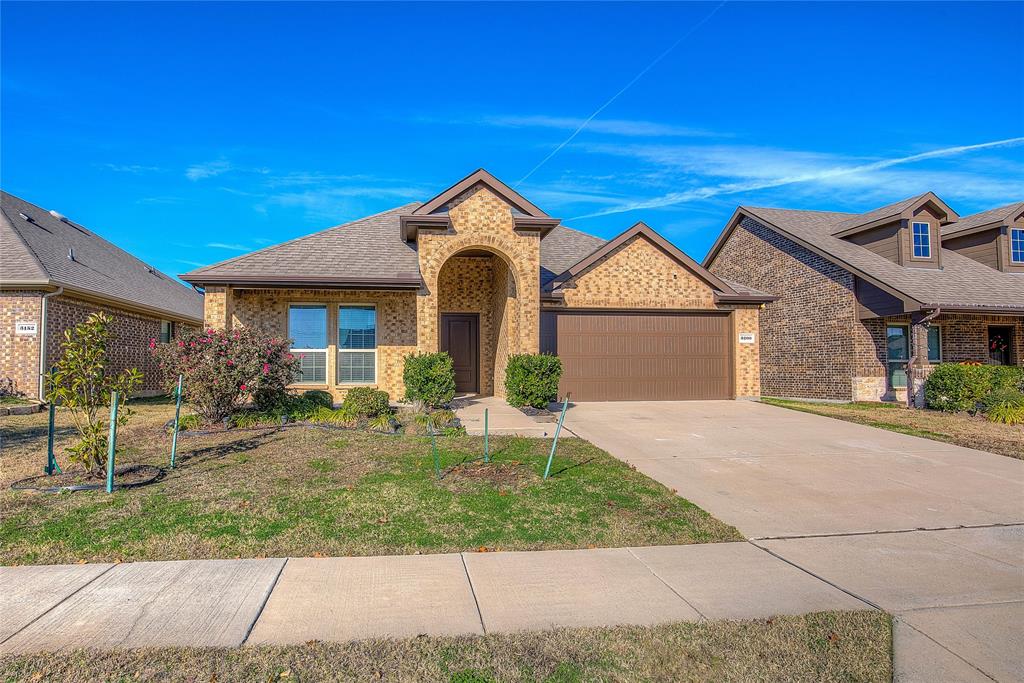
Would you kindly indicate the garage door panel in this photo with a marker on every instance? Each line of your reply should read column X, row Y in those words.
column 621, row 356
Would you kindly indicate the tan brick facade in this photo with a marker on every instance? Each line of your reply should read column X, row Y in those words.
column 129, row 348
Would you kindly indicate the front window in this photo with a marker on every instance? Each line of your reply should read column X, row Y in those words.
column 922, row 240
column 1017, row 245
column 166, row 331
column 307, row 328
column 934, row 344
column 897, row 355
column 357, row 344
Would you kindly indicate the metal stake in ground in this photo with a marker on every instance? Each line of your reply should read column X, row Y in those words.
column 433, row 441
column 112, row 442
column 177, row 416
column 51, row 462
column 558, row 430
column 487, row 450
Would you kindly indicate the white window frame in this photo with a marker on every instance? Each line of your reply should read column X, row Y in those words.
column 928, row 243
column 339, row 350
column 1019, row 231
column 327, row 338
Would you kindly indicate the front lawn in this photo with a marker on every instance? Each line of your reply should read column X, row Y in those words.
column 961, row 429
column 828, row 646
column 295, row 491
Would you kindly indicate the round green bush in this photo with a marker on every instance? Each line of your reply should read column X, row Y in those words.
column 429, row 379
column 954, row 388
column 532, row 380
column 318, row 397
column 366, row 402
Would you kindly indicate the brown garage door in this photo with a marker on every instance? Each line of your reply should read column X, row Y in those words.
column 641, row 356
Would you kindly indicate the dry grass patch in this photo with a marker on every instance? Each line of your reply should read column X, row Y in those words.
column 319, row 491
column 970, row 431
column 829, row 646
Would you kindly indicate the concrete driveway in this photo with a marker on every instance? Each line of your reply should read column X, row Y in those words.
column 880, row 515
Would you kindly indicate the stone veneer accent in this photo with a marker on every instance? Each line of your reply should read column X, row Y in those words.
column 267, row 310
column 19, row 356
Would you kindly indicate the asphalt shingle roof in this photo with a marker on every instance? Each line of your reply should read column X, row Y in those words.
column 38, row 252
column 1000, row 214
column 960, row 283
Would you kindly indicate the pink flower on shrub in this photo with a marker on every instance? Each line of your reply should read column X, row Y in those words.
column 181, row 344
column 152, row 343
column 243, row 387
column 230, row 362
column 266, row 368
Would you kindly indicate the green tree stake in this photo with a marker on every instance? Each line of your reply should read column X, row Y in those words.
column 51, row 462
column 558, row 430
column 177, row 416
column 112, row 442
column 487, row 450
column 437, row 459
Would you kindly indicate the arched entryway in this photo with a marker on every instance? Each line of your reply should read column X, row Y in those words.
column 478, row 317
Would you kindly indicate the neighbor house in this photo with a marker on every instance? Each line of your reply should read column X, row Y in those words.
column 863, row 296
column 54, row 273
column 482, row 273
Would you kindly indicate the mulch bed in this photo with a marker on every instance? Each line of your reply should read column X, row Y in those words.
column 502, row 475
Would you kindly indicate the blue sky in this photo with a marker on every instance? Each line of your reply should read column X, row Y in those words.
column 189, row 133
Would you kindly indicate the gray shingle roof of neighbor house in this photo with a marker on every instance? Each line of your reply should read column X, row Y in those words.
column 993, row 217
column 39, row 249
column 961, row 283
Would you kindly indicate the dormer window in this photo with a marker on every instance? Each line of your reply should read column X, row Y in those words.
column 922, row 234
column 1017, row 245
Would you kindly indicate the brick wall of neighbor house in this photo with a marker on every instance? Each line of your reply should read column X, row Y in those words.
column 19, row 355
column 267, row 310
column 747, row 357
column 482, row 220
column 806, row 345
column 130, row 345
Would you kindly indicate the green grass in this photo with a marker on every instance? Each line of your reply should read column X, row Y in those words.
column 14, row 401
column 970, row 431
column 312, row 491
column 823, row 647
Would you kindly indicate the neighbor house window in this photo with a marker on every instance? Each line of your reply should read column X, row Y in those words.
column 1017, row 245
column 934, row 344
column 922, row 240
column 897, row 355
column 307, row 328
column 357, row 344
column 166, row 331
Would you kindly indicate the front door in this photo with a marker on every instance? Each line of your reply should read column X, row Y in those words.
column 460, row 337
column 999, row 341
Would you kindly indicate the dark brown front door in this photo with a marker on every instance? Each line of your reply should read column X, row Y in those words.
column 460, row 337
column 1000, row 339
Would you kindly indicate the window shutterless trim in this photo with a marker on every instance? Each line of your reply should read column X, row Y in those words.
column 339, row 350
column 327, row 338
column 1017, row 234
column 926, row 245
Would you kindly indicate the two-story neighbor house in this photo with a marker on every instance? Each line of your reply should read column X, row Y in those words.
column 482, row 273
column 862, row 297
column 54, row 273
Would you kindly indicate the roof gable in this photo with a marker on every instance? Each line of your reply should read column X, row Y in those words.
column 984, row 220
column 439, row 203
column 903, row 209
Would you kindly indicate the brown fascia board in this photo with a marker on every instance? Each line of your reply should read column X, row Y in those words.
column 542, row 224
column 412, row 224
column 740, row 212
column 481, row 176
column 200, row 280
column 643, row 229
column 991, row 310
column 977, row 228
column 744, row 298
column 906, row 214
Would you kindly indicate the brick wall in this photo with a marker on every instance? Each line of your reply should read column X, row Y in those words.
column 267, row 310
column 806, row 348
column 19, row 355
column 466, row 285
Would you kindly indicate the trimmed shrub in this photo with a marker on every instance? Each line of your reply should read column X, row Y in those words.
column 1005, row 406
column 318, row 397
column 532, row 380
column 366, row 402
column 956, row 387
column 429, row 379
column 224, row 369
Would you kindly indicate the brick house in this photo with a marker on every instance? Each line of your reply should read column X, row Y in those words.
column 54, row 273
column 865, row 299
column 482, row 273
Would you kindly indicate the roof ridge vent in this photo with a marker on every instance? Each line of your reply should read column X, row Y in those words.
column 59, row 216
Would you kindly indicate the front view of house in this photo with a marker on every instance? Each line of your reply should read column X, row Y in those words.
column 482, row 273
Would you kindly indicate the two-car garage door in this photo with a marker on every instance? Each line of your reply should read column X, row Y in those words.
column 621, row 356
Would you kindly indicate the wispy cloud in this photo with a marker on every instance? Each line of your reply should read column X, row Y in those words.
column 135, row 169
column 212, row 169
column 621, row 127
column 767, row 176
column 194, row 264
column 229, row 247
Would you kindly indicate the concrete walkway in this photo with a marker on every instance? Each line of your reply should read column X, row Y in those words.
column 502, row 418
column 235, row 602
column 850, row 504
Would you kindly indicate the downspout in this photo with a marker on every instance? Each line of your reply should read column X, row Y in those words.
column 913, row 358
column 42, row 342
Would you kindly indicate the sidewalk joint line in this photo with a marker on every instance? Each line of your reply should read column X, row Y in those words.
column 60, row 602
column 820, row 578
column 839, row 534
column 914, row 628
column 472, row 591
column 263, row 605
column 678, row 595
